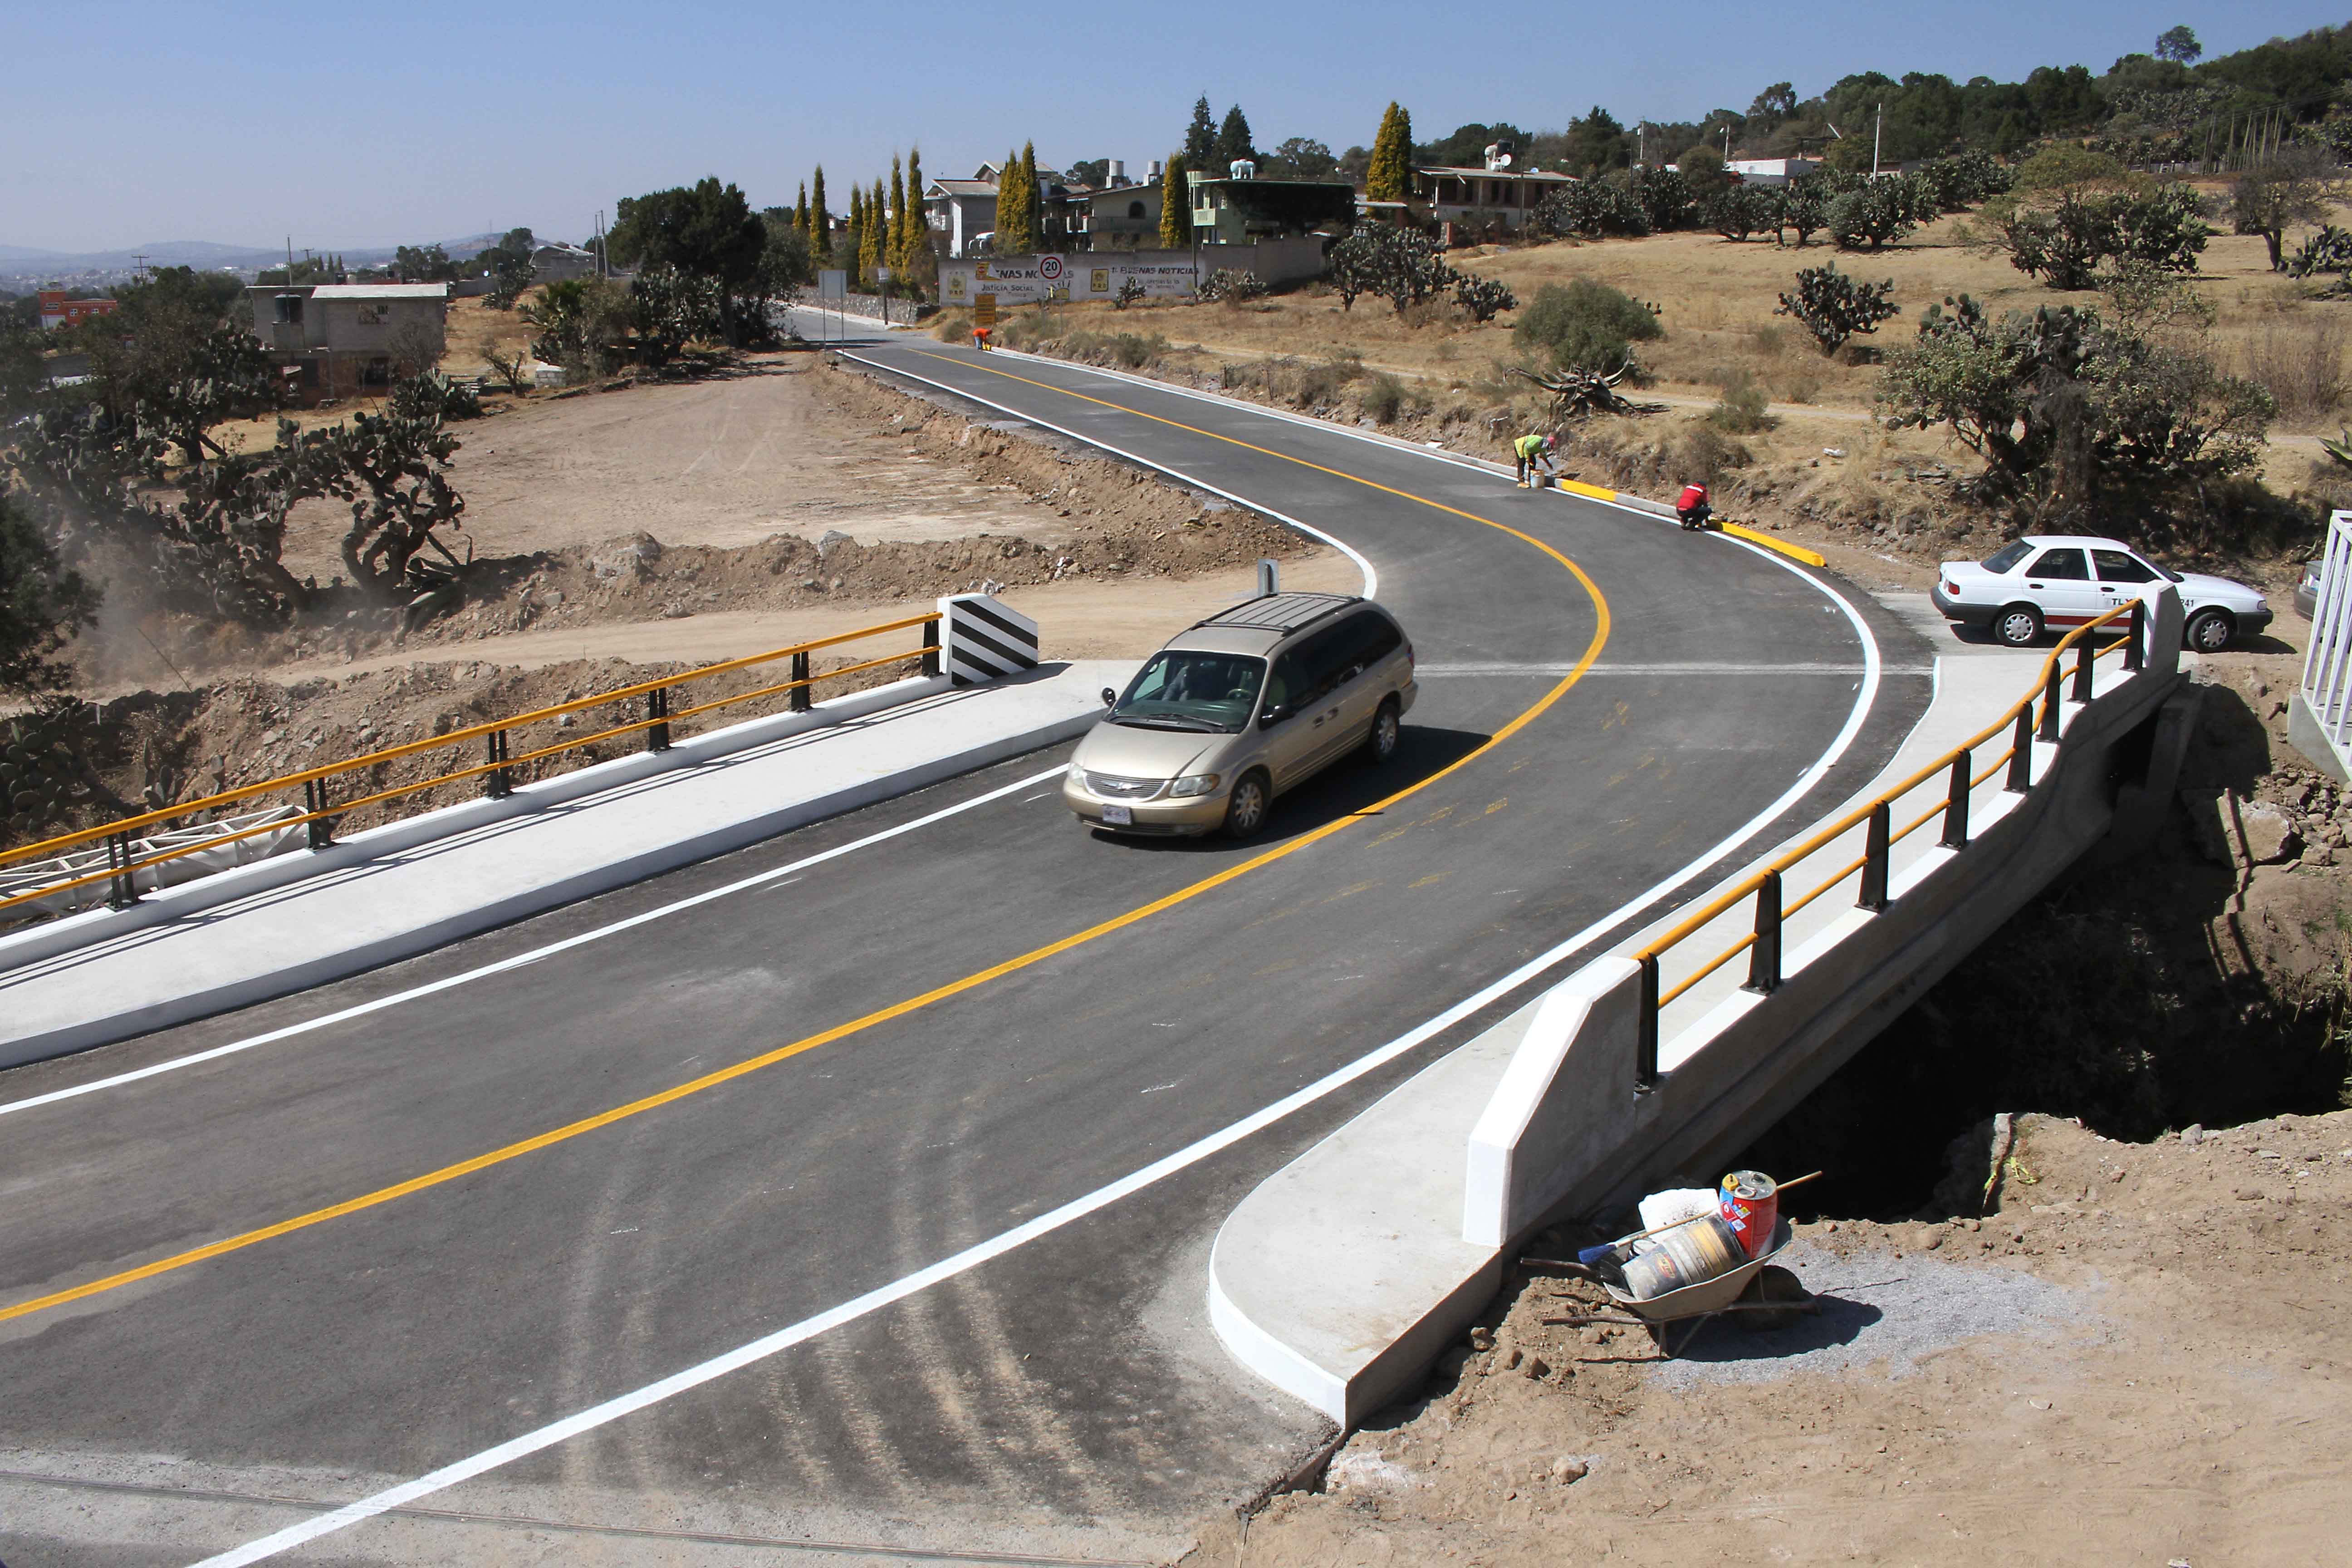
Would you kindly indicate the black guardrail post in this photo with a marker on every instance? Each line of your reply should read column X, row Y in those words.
column 1645, row 1029
column 2021, row 753
column 496, row 784
column 1955, row 802
column 658, row 707
column 2135, row 650
column 319, row 830
column 801, row 676
column 930, row 647
column 1874, row 860
column 1764, row 953
column 2082, row 669
column 2049, row 703
column 121, row 892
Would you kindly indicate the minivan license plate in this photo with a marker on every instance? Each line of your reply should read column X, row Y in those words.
column 1118, row 816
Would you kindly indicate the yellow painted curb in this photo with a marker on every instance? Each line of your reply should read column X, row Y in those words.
column 1593, row 491
column 1793, row 552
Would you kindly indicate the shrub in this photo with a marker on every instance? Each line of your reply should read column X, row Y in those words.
column 1383, row 397
column 1740, row 409
column 1804, row 209
column 952, row 327
column 1878, row 213
column 580, row 324
column 2062, row 166
column 2161, row 226
column 1230, row 287
column 1399, row 265
column 1592, row 208
column 1833, row 307
column 1738, row 211
column 1586, row 325
column 1484, row 298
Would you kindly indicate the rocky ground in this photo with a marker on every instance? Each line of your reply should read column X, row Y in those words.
column 2136, row 1352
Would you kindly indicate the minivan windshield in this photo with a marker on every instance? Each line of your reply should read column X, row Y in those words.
column 1184, row 690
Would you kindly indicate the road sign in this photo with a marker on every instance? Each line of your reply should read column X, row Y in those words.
column 882, row 274
column 832, row 283
column 983, row 310
column 1049, row 268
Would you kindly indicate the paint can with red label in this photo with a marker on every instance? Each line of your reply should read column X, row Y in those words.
column 1750, row 1203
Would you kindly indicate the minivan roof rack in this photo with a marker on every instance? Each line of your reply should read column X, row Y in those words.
column 1283, row 612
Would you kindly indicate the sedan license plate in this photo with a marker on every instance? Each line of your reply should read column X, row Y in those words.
column 1119, row 816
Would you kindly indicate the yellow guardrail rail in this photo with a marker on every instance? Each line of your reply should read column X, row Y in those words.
column 1957, row 767
column 320, row 810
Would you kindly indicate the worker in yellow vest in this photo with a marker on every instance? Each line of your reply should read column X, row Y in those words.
column 1531, row 450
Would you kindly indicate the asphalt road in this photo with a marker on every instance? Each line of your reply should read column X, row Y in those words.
column 1061, row 1397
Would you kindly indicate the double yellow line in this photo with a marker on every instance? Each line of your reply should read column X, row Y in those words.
column 971, row 982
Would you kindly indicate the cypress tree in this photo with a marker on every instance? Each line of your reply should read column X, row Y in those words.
column 820, row 222
column 801, row 215
column 1389, row 176
column 894, row 254
column 878, row 224
column 1008, row 202
column 856, row 233
column 1233, row 141
column 1201, row 137
column 1032, row 214
column 918, row 224
column 1175, row 205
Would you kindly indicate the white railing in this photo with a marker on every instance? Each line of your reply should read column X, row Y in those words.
column 2326, row 691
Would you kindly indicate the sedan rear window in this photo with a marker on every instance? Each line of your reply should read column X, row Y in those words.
column 1181, row 690
column 2007, row 556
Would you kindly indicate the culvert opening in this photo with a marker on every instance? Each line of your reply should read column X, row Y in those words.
column 2159, row 990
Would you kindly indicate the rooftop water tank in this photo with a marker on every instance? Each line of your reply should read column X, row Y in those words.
column 1243, row 169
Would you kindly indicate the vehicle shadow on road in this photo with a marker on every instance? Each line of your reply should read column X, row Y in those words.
column 1352, row 786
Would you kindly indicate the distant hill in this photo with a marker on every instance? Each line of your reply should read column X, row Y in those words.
column 205, row 254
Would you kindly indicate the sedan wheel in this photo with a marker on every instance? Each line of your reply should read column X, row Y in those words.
column 2018, row 626
column 2210, row 631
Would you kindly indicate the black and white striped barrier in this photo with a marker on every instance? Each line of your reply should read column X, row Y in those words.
column 986, row 639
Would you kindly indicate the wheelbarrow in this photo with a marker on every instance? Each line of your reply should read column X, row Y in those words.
column 1695, row 1304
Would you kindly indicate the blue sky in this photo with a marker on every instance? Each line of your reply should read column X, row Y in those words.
column 127, row 123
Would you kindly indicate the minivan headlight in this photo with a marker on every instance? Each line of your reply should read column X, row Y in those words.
column 1196, row 784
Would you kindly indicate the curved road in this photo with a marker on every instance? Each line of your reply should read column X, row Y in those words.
column 983, row 1019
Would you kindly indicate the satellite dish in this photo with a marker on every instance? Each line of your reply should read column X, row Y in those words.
column 1502, row 160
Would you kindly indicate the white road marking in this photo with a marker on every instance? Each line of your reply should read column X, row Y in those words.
column 522, row 959
column 996, row 1246
column 1720, row 667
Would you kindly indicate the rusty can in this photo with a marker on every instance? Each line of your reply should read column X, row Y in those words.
column 1749, row 1202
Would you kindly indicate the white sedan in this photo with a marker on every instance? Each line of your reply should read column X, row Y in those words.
column 2058, row 582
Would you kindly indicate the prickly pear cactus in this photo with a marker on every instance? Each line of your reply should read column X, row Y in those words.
column 41, row 777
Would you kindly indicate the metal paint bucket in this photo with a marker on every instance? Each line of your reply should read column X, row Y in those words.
column 1689, row 1254
column 1749, row 1202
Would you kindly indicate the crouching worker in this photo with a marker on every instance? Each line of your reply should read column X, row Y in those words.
column 1532, row 450
column 980, row 339
column 1692, row 508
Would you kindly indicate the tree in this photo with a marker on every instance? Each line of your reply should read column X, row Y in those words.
column 853, row 232
column 820, row 221
column 42, row 607
column 2178, row 45
column 426, row 264
column 1773, row 105
column 801, row 211
column 2159, row 226
column 785, row 266
column 394, row 471
column 1389, row 176
column 1301, row 158
column 1201, row 136
column 1875, row 214
column 2296, row 189
column 1702, row 169
column 916, row 256
column 1591, row 208
column 1175, row 205
column 1833, row 307
column 1399, row 265
column 673, row 309
column 894, row 253
column 1020, row 229
column 1233, row 140
column 1585, row 326
column 1804, row 208
column 874, row 250
column 706, row 230
column 1736, row 212
column 1596, row 143
column 580, row 324
column 1665, row 198
column 2074, row 414
column 169, row 357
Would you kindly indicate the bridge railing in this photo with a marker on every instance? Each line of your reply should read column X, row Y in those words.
column 130, row 847
column 2035, row 716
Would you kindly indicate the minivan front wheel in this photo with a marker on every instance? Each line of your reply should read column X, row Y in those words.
column 1246, row 808
column 1387, row 728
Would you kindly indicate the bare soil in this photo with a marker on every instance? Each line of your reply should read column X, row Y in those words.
column 795, row 501
column 2137, row 1354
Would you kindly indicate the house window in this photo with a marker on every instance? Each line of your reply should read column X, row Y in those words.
column 289, row 310
column 1135, row 209
column 376, row 372
column 374, row 314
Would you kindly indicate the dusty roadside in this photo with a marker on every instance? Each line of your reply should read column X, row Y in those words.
column 2137, row 1354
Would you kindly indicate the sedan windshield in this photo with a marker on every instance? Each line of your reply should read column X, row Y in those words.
column 1180, row 690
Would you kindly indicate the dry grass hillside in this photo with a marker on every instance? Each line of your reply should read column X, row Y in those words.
column 1819, row 465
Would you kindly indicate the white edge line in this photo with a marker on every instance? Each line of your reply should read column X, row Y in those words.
column 1371, row 578
column 520, row 959
column 1019, row 1236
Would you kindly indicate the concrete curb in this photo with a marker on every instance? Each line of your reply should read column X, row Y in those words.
column 356, row 855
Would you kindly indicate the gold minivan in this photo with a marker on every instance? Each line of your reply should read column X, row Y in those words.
column 1239, row 709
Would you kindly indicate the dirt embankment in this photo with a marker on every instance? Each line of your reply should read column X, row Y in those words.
column 1107, row 557
column 2138, row 1354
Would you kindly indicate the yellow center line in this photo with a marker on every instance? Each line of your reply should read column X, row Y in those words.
column 973, row 981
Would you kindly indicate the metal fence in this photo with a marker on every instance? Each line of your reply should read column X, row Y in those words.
column 2326, row 690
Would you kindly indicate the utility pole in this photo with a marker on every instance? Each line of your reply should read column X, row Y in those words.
column 1878, row 140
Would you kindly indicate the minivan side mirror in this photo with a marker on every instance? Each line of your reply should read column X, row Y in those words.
column 1110, row 698
column 1274, row 714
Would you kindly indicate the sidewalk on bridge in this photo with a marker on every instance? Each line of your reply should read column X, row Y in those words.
column 298, row 920
column 1330, row 1277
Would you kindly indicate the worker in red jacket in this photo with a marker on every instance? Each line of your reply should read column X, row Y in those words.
column 1692, row 508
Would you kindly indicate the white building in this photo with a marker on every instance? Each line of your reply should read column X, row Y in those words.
column 335, row 340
